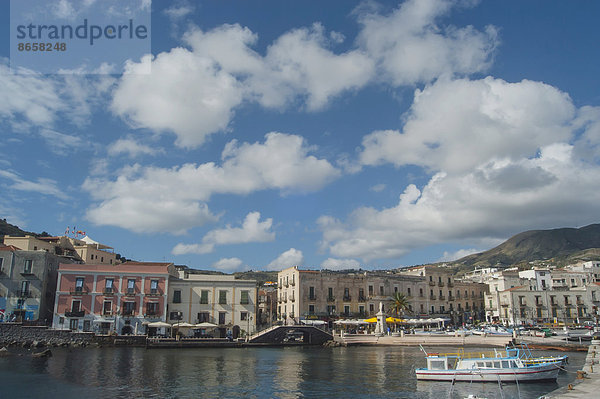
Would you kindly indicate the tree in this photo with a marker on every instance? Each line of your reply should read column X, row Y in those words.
column 400, row 303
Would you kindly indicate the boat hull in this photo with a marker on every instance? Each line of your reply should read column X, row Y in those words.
column 545, row 372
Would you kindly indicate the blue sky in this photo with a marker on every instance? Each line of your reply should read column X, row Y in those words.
column 323, row 134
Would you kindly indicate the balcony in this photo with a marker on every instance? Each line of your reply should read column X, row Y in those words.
column 27, row 273
column 79, row 313
column 107, row 313
column 153, row 293
column 442, row 298
column 347, row 298
column 130, row 291
column 450, row 298
column 108, row 291
column 331, row 299
column 312, row 297
column 432, row 283
column 79, row 292
column 432, row 297
column 127, row 312
column 450, row 284
column 361, row 298
column 441, row 283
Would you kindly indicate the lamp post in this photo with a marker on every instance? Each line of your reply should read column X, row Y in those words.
column 248, row 330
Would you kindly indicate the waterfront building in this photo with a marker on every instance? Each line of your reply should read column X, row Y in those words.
column 525, row 305
column 84, row 250
column 329, row 295
column 223, row 300
column 111, row 298
column 27, row 283
column 267, row 305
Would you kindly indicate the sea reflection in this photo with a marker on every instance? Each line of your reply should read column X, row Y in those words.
column 295, row 372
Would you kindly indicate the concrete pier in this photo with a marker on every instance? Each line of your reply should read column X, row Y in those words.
column 588, row 383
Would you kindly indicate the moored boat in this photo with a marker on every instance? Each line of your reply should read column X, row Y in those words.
column 481, row 367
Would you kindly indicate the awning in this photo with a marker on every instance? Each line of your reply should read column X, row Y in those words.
column 205, row 325
column 103, row 321
column 159, row 324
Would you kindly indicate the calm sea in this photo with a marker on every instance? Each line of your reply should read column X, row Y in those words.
column 354, row 372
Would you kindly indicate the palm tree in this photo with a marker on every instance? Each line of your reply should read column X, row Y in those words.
column 400, row 303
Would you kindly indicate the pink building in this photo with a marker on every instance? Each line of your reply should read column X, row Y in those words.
column 106, row 298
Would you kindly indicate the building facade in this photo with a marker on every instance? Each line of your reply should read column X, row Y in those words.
column 327, row 295
column 27, row 283
column 111, row 298
column 524, row 305
column 223, row 300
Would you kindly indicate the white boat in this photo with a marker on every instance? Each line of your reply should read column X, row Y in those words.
column 481, row 367
column 527, row 357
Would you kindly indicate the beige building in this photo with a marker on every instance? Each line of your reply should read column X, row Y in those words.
column 223, row 300
column 83, row 250
column 329, row 295
column 525, row 305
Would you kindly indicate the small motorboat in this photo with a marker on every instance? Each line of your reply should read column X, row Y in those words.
column 484, row 366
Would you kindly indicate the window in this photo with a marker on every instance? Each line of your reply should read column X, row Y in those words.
column 75, row 305
column 74, row 324
column 108, row 285
column 128, row 308
column 361, row 294
column 222, row 297
column 361, row 310
column 346, row 294
column 1, row 261
column 176, row 315
column 370, row 290
column 421, row 292
column 153, row 286
column 381, row 290
column 107, row 308
column 25, row 288
column 222, row 317
column 245, row 298
column 331, row 309
column 79, row 284
column 371, row 307
column 432, row 309
column 311, row 293
column 243, row 316
column 130, row 286
column 177, row 296
column 152, row 309
column 330, row 292
column 28, row 266
column 395, row 289
column 203, row 317
column 346, row 310
column 311, row 309
column 204, row 297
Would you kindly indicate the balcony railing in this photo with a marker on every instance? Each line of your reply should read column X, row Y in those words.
column 153, row 293
column 442, row 297
column 312, row 297
column 331, row 299
column 441, row 283
column 432, row 283
column 361, row 298
column 109, row 291
column 347, row 298
column 130, row 291
column 450, row 284
column 79, row 292
column 79, row 313
column 107, row 313
column 127, row 312
column 450, row 298
column 432, row 297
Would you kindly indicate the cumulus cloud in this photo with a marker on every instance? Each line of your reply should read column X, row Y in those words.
column 289, row 258
column 193, row 91
column 455, row 125
column 252, row 230
column 282, row 162
column 228, row 264
column 461, row 253
column 340, row 264
column 503, row 158
column 411, row 46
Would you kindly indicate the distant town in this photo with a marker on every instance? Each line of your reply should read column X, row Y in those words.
column 78, row 284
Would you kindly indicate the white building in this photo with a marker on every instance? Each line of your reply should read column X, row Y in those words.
column 223, row 300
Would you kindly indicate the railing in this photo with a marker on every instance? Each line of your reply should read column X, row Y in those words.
column 450, row 298
column 109, row 291
column 450, row 284
column 442, row 297
column 361, row 298
column 332, row 299
column 127, row 313
column 79, row 292
column 347, row 298
column 130, row 291
column 432, row 283
column 79, row 313
column 432, row 297
column 312, row 298
column 153, row 293
column 441, row 283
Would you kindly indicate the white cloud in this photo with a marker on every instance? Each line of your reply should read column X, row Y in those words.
column 461, row 253
column 228, row 264
column 179, row 194
column 457, row 125
column 377, row 187
column 340, row 264
column 131, row 147
column 289, row 258
column 503, row 157
column 252, row 230
column 60, row 143
column 179, row 11
column 411, row 46
column 185, row 94
column 43, row 186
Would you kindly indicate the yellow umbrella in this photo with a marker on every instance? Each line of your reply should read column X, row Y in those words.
column 394, row 320
column 371, row 320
